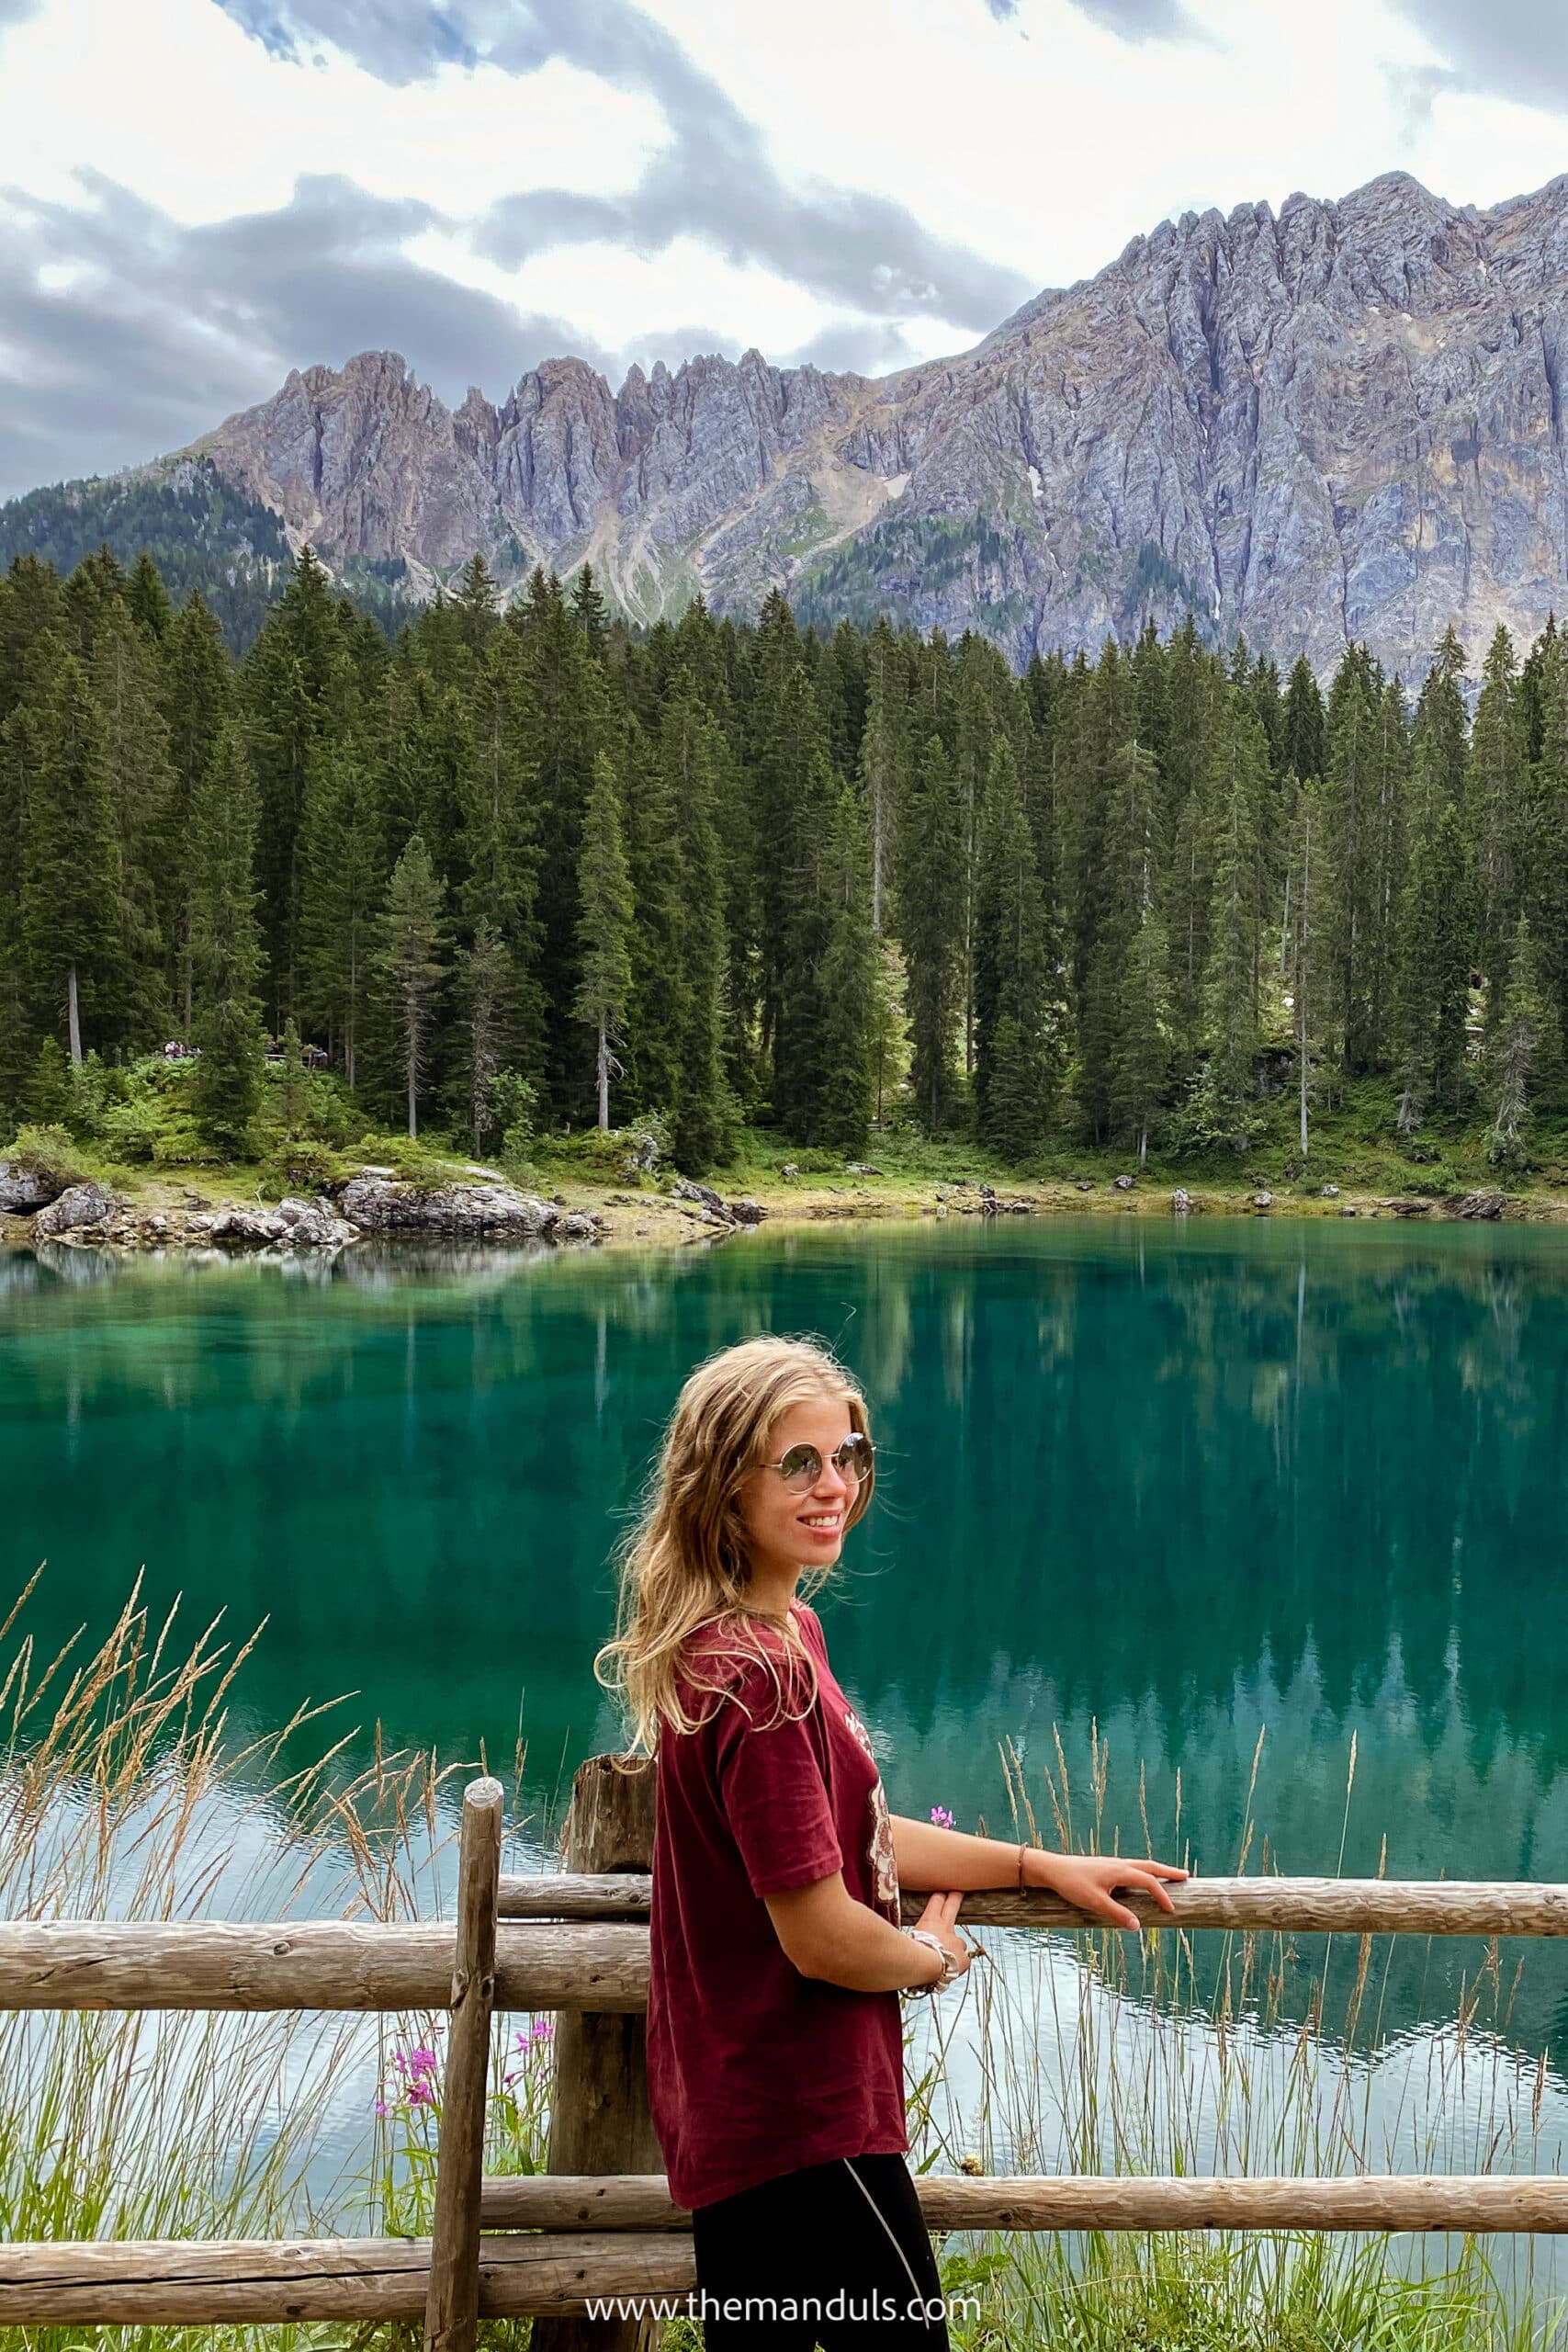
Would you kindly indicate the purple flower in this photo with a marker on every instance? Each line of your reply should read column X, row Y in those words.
column 422, row 2063
column 381, row 2107
column 420, row 2093
column 542, row 2029
column 941, row 1817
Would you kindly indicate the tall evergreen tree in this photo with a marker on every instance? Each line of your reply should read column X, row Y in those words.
column 69, row 912
column 691, row 755
column 225, row 949
column 343, row 882
column 604, row 930
column 1016, row 1070
column 409, row 967
column 1433, row 965
column 1525, row 1047
column 930, row 925
column 1140, row 1066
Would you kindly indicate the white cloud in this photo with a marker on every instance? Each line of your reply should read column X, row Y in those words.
column 170, row 99
column 632, row 304
column 915, row 163
column 1047, row 143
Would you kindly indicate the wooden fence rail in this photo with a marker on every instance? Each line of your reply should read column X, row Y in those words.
column 601, row 2223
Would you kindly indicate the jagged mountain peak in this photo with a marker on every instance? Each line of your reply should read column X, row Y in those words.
column 1342, row 419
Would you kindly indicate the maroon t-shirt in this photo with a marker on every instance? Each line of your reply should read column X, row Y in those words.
column 754, row 2070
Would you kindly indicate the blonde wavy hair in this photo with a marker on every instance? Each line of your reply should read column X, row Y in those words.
column 685, row 1564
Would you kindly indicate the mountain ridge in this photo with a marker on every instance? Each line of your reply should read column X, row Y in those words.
column 1345, row 419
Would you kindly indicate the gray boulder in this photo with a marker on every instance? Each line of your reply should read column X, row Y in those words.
column 79, row 1205
column 1263, row 1200
column 1487, row 1206
column 1123, row 1183
column 382, row 1204
column 1181, row 1200
column 23, row 1190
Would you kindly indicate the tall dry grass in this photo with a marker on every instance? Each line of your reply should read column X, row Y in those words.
column 131, row 1786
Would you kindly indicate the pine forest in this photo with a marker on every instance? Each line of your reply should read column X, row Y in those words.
column 527, row 871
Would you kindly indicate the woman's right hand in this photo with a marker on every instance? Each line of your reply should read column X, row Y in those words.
column 938, row 1919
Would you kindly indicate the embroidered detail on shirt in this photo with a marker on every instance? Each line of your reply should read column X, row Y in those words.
column 884, row 1866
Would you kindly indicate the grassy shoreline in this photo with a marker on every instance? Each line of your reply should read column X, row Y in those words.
column 654, row 1217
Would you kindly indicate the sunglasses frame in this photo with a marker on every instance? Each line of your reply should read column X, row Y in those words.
column 856, row 1438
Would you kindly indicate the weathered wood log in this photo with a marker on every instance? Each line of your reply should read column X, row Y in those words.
column 600, row 2121
column 1490, row 2203
column 239, row 2281
column 575, row 1895
column 306, row 1965
column 256, row 2282
column 602, row 1967
column 1302, row 1906
column 452, row 2307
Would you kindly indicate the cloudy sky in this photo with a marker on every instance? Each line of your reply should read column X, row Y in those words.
column 197, row 195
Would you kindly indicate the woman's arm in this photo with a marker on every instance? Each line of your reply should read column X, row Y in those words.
column 828, row 1935
column 929, row 1858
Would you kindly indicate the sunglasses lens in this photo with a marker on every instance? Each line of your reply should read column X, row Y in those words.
column 853, row 1458
column 801, row 1468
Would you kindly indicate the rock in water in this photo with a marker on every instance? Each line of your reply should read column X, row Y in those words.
column 377, row 1204
column 79, row 1205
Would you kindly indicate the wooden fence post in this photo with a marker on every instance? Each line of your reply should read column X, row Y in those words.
column 599, row 2120
column 452, row 2304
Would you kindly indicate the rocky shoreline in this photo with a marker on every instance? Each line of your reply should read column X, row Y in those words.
column 478, row 1205
column 374, row 1204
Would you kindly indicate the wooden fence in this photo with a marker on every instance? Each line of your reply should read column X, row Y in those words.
column 600, row 2222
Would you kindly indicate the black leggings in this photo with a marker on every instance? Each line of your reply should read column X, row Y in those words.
column 834, row 2255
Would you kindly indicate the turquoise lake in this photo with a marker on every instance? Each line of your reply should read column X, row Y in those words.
column 1182, row 1485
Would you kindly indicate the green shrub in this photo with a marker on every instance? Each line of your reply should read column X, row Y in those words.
column 179, row 1142
column 129, row 1130
column 47, row 1152
column 301, row 1166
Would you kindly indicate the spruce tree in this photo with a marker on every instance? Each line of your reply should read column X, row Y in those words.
column 1526, row 1048
column 70, row 912
column 225, row 950
column 1227, row 1085
column 1141, row 1059
column 199, row 696
column 930, row 927
column 883, row 760
column 1015, row 1072
column 1304, row 735
column 409, row 968
column 604, row 930
column 846, row 983
column 1499, row 800
column 342, row 882
column 691, row 755
column 139, row 779
column 1433, row 966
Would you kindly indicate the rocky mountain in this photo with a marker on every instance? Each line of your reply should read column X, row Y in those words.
column 1342, row 421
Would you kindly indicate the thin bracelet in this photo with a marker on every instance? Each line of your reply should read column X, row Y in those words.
column 1022, row 1852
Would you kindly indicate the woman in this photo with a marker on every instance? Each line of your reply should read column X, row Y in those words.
column 775, row 2038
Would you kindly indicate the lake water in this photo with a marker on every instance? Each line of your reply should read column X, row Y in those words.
column 1180, row 1485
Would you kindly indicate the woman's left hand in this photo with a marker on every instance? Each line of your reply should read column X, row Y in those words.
column 1086, row 1881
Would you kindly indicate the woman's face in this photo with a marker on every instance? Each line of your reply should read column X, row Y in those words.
column 788, row 1531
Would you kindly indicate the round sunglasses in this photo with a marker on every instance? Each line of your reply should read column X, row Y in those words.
column 802, row 1466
